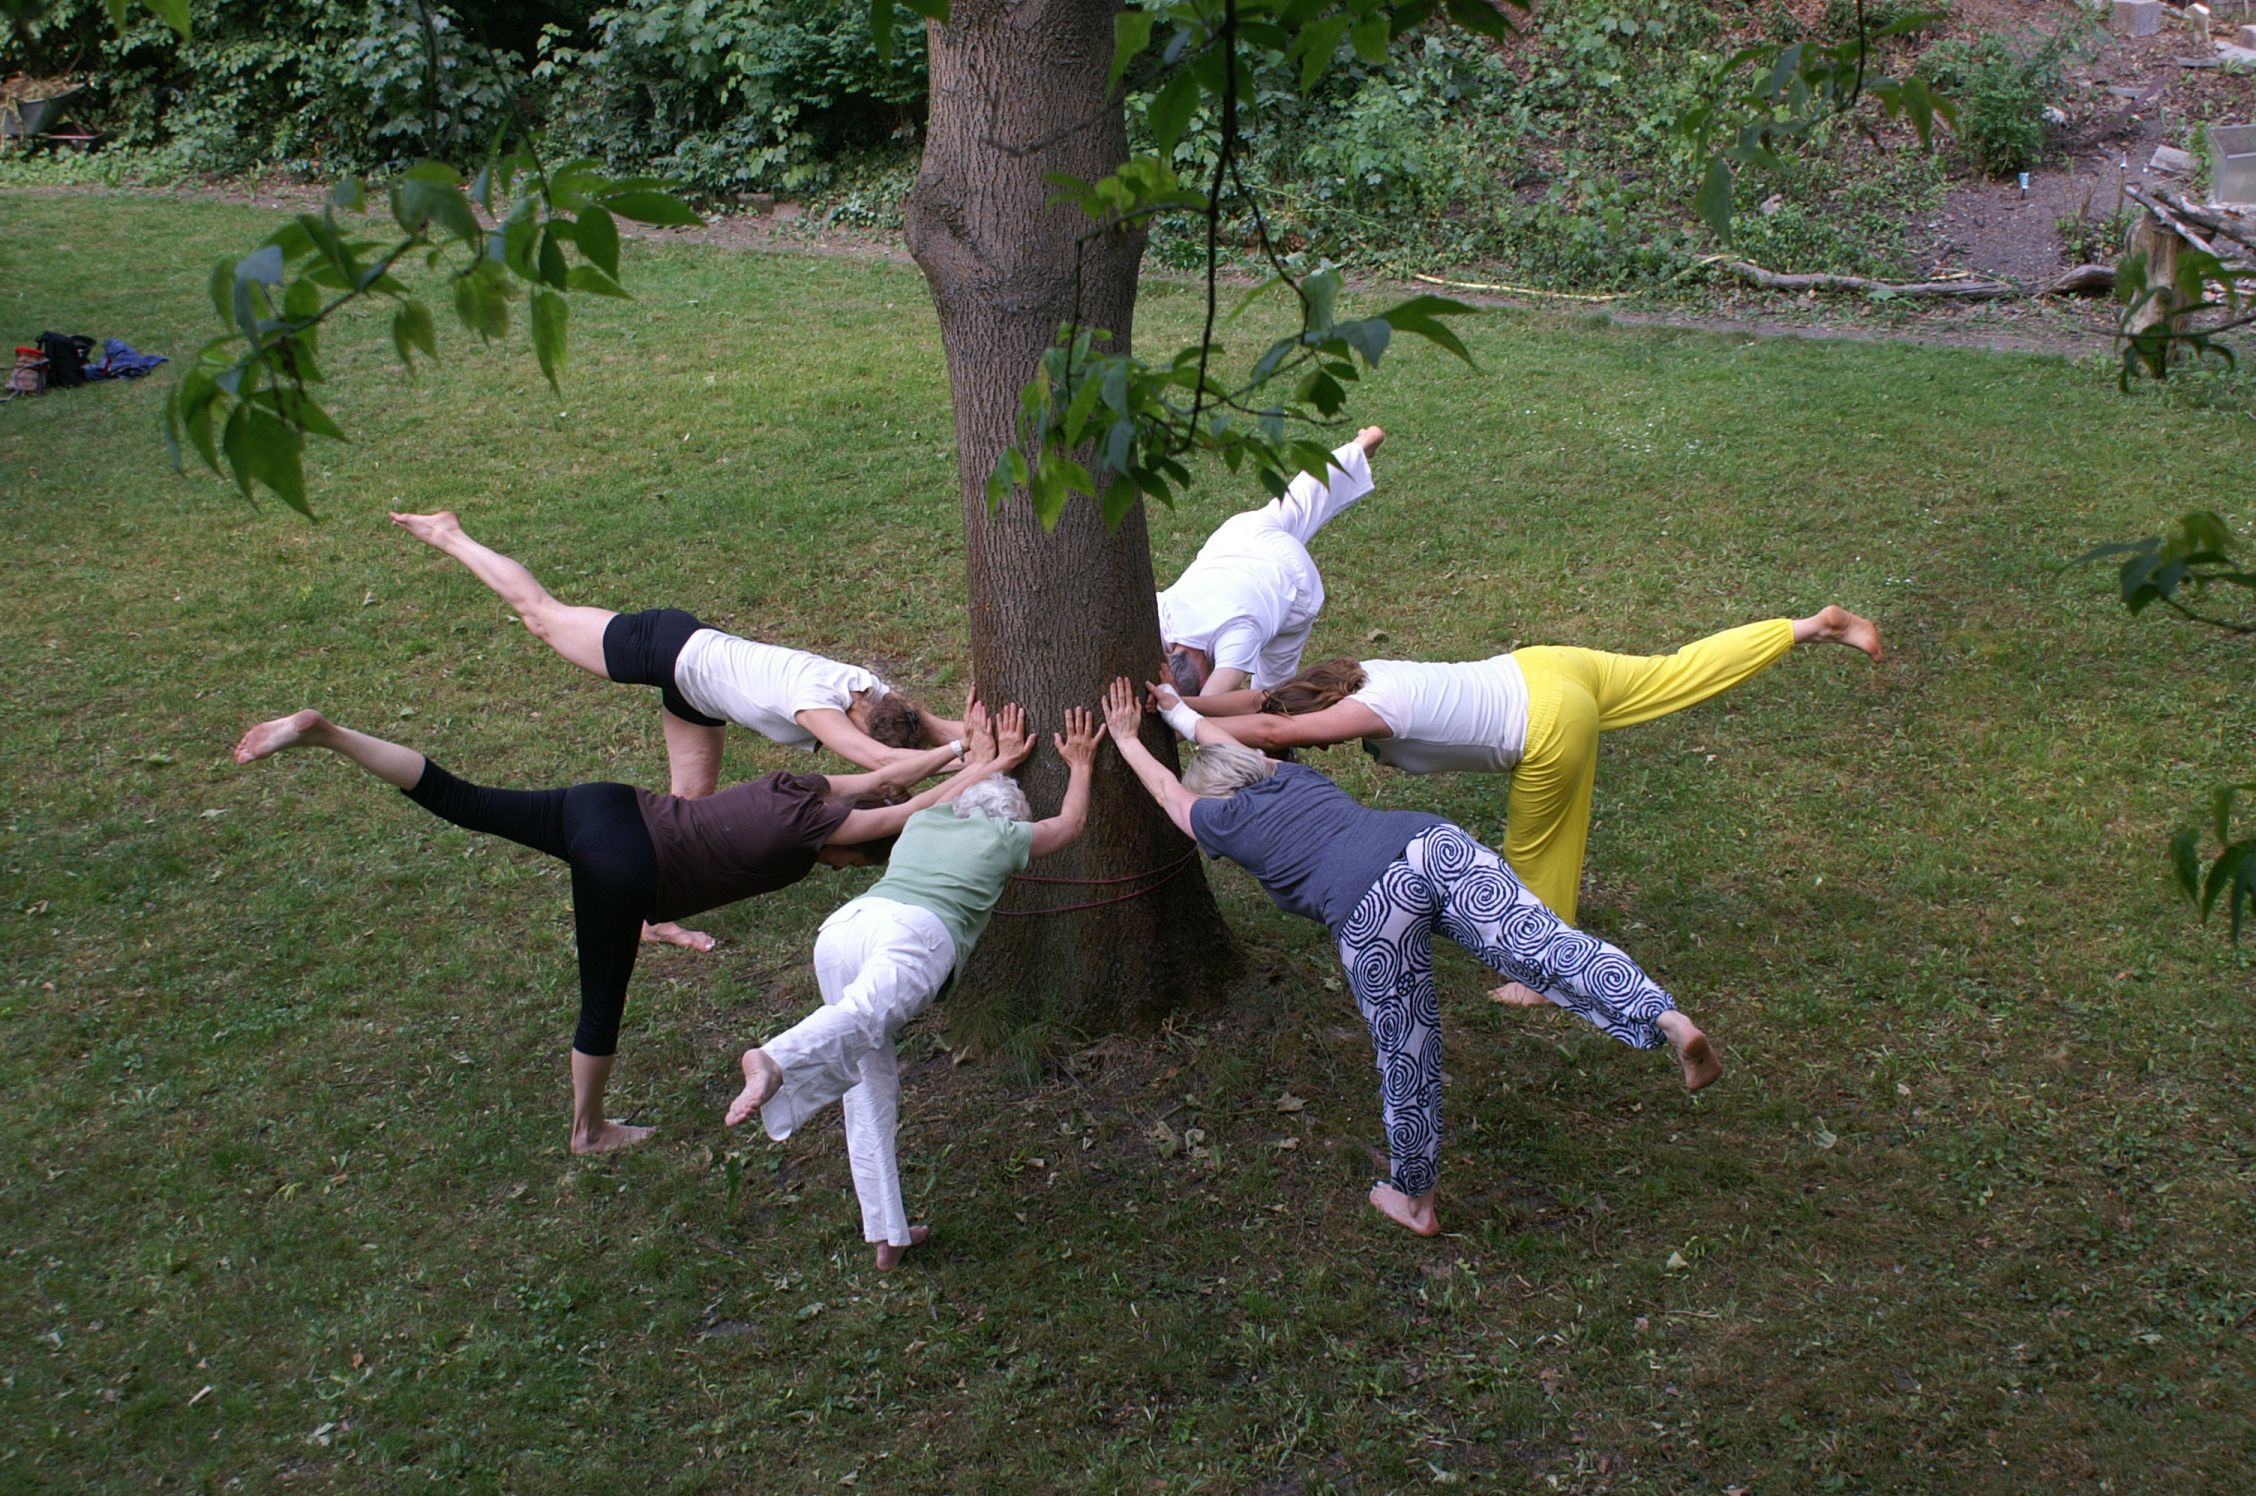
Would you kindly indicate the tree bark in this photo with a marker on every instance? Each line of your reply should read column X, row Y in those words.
column 1018, row 88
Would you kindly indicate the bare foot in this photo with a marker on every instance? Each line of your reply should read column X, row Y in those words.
column 432, row 529
column 1415, row 1213
column 1693, row 1051
column 889, row 1256
column 761, row 1080
column 609, row 1137
column 673, row 934
column 1518, row 995
column 1837, row 625
column 281, row 733
column 1369, row 438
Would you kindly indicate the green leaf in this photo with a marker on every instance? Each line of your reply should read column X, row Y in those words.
column 553, row 271
column 222, row 287
column 413, row 328
column 2185, row 863
column 881, row 30
column 1131, row 33
column 1714, row 200
column 595, row 282
column 598, row 234
column 481, row 300
column 647, row 205
column 349, row 195
column 1170, row 112
column 262, row 449
column 1322, row 291
column 419, row 204
column 550, row 313
column 1417, row 316
column 1479, row 17
column 2220, row 808
column 1370, row 37
column 1119, row 501
column 1315, row 45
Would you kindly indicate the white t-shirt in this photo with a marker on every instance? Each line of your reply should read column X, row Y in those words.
column 1470, row 717
column 764, row 686
column 1251, row 595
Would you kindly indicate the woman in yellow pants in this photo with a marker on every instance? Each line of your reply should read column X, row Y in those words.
column 1534, row 713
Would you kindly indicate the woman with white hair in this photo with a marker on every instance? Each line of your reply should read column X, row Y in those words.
column 883, row 958
column 1383, row 882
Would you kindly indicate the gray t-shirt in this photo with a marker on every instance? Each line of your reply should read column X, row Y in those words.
column 1314, row 848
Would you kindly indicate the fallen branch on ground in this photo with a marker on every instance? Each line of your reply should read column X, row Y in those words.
column 2081, row 280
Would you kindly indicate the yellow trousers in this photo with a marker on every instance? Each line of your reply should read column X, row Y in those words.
column 1576, row 694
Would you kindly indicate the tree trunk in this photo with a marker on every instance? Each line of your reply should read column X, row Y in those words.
column 1017, row 90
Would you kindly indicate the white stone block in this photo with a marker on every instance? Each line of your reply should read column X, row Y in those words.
column 2138, row 17
column 2171, row 161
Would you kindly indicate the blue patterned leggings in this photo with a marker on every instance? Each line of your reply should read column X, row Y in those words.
column 1447, row 879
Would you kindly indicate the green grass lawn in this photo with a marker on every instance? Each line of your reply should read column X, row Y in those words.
column 282, row 1164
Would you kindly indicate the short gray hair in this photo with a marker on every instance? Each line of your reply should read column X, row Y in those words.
column 1222, row 769
column 999, row 797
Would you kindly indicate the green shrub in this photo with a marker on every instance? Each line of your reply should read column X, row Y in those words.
column 279, row 82
column 2001, row 87
column 727, row 95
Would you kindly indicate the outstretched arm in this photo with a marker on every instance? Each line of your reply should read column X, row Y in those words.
column 1213, row 703
column 837, row 732
column 995, row 747
column 1077, row 745
column 1341, row 722
column 905, row 770
column 1123, row 717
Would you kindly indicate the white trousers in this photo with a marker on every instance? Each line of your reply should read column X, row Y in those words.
column 879, row 963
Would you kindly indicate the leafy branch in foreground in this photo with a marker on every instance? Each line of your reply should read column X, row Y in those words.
column 1779, row 93
column 246, row 405
column 1139, row 418
column 2197, row 554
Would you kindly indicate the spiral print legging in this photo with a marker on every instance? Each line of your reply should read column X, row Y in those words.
column 1446, row 879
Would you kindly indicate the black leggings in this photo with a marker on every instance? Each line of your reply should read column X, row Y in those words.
column 598, row 829
column 639, row 649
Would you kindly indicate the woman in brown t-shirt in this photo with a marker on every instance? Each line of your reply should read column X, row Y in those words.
column 636, row 856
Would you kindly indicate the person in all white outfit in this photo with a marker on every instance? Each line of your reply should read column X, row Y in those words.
column 883, row 958
column 1242, row 609
column 706, row 679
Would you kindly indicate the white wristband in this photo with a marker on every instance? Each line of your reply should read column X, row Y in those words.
column 955, row 746
column 1184, row 720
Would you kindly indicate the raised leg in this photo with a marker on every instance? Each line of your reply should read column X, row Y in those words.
column 395, row 765
column 1834, row 624
column 878, row 965
column 1310, row 502
column 1493, row 915
column 575, row 633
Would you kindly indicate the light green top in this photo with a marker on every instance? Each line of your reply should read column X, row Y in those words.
column 955, row 867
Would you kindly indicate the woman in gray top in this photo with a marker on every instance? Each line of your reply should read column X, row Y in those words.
column 1383, row 882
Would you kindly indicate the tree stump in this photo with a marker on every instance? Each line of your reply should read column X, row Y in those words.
column 2154, row 239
